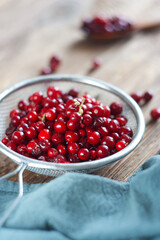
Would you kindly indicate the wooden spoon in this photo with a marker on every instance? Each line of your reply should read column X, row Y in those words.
column 133, row 29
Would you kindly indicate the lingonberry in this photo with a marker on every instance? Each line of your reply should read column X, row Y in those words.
column 46, row 71
column 113, row 126
column 87, row 119
column 73, row 158
column 5, row 140
column 81, row 132
column 103, row 131
column 14, row 112
column 147, row 96
column 52, row 152
column 122, row 121
column 49, row 125
column 103, row 151
column 21, row 149
column 76, row 117
column 60, row 126
column 30, row 146
column 116, row 108
column 93, row 154
column 18, row 137
column 95, row 64
column 36, row 151
column 60, row 108
column 45, row 145
column 155, row 113
column 61, row 149
column 71, row 136
column 32, row 116
column 54, row 63
column 116, row 136
column 15, row 120
column 12, row 145
column 9, row 131
column 94, row 138
column 107, row 111
column 83, row 154
column 72, row 125
column 137, row 96
column 120, row 145
column 22, row 105
column 43, row 158
column 73, row 148
column 73, row 92
column 57, row 138
column 126, row 130
column 39, row 125
column 44, row 134
column 98, row 111
column 51, row 114
column 53, row 92
column 60, row 159
column 108, row 141
column 22, row 127
column 126, row 138
column 37, row 97
column 31, row 132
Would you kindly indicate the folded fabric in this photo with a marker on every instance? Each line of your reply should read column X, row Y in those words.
column 86, row 207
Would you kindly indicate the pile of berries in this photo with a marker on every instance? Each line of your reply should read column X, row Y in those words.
column 64, row 128
column 99, row 25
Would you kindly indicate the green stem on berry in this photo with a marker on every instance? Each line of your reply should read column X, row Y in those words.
column 80, row 107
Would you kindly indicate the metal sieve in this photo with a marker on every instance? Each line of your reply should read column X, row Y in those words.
column 105, row 93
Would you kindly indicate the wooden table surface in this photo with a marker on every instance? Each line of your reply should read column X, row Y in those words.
column 32, row 31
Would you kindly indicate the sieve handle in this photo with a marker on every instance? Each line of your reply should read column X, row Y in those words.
column 19, row 169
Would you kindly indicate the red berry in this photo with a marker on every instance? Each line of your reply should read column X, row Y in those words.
column 126, row 130
column 32, row 116
column 94, row 138
column 122, row 121
column 83, row 154
column 103, row 151
column 30, row 146
column 52, row 152
column 37, row 97
column 21, row 149
column 81, row 132
column 22, row 127
column 72, row 125
column 60, row 159
column 54, row 63
column 14, row 112
column 15, row 121
column 5, row 140
column 107, row 111
column 126, row 138
column 116, row 108
column 113, row 126
column 98, row 111
column 45, row 145
column 53, row 92
column 9, row 131
column 108, row 141
column 73, row 148
column 18, row 137
column 44, row 134
column 103, row 131
column 31, row 132
column 137, row 96
column 95, row 64
column 60, row 126
column 87, row 119
column 155, row 113
column 11, row 145
column 93, row 154
column 46, row 71
column 61, row 149
column 147, row 96
column 57, row 138
column 39, row 125
column 73, row 92
column 71, row 136
column 22, row 105
column 120, row 145
column 51, row 114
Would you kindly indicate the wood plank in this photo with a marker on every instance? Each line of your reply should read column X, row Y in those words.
column 31, row 31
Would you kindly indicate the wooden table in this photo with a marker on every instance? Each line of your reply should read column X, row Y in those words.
column 32, row 31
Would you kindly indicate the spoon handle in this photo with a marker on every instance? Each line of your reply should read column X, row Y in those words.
column 147, row 26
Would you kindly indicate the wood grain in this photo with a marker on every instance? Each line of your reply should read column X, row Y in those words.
column 31, row 31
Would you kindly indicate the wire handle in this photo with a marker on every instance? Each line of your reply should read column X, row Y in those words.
column 19, row 169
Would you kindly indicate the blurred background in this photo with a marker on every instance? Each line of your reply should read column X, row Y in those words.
column 33, row 31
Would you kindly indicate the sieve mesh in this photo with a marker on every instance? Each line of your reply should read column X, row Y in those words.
column 100, row 90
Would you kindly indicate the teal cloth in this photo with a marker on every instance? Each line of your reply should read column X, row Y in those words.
column 86, row 207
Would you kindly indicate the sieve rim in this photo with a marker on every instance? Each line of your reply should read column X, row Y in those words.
column 82, row 165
